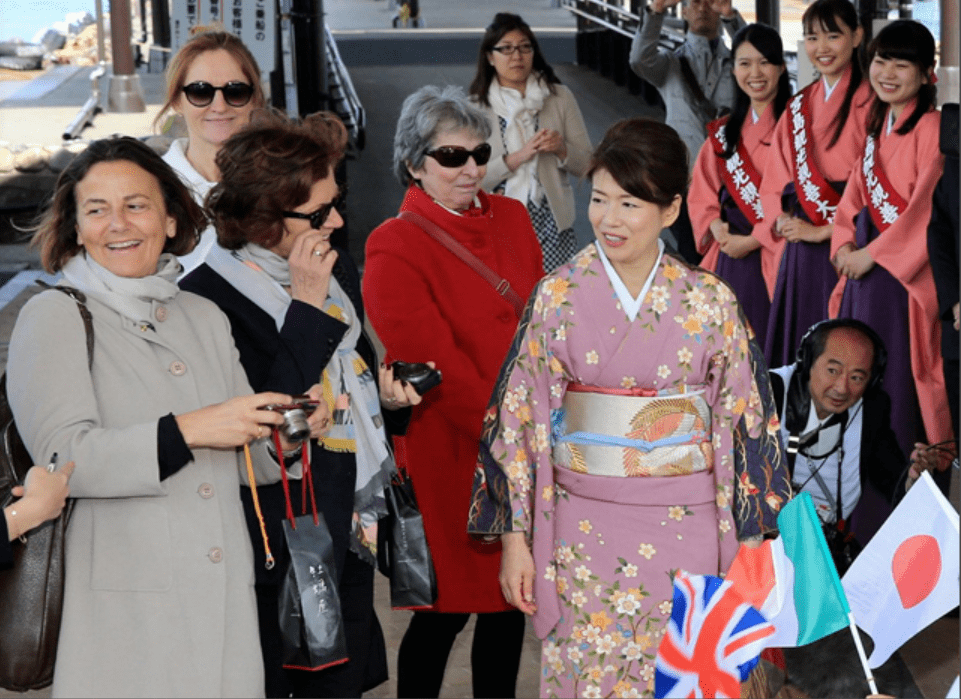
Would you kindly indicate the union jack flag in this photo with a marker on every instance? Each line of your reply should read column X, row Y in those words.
column 712, row 642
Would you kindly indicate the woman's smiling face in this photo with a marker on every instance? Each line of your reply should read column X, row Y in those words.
column 122, row 219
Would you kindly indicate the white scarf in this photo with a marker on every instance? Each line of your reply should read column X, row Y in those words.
column 358, row 426
column 133, row 298
column 520, row 113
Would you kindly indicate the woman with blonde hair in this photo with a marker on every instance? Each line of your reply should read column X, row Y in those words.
column 213, row 83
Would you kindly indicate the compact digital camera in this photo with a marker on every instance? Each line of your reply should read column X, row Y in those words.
column 419, row 375
column 295, row 427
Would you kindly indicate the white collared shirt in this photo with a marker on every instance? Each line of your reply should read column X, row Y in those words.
column 630, row 305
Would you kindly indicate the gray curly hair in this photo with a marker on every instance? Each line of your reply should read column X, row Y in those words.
column 426, row 113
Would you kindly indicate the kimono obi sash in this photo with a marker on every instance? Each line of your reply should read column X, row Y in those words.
column 632, row 432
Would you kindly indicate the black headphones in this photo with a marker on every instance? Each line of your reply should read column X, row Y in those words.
column 798, row 396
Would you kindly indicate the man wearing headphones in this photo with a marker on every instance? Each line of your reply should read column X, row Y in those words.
column 835, row 421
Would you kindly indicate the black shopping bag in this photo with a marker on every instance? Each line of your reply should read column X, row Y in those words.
column 310, row 618
column 403, row 554
column 311, row 623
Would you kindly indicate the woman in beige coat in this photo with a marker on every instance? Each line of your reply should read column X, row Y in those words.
column 539, row 137
column 159, row 594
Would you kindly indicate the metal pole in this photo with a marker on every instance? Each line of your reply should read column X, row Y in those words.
column 948, row 77
column 125, row 94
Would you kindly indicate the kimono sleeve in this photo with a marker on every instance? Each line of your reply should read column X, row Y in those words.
column 514, row 463
column 743, row 411
column 702, row 198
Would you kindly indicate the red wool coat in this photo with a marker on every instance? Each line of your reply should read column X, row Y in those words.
column 425, row 304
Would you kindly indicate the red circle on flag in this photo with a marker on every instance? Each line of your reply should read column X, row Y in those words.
column 916, row 568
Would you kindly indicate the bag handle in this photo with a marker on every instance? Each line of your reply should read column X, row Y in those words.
column 501, row 285
column 308, row 476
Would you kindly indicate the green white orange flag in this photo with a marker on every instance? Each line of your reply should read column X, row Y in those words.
column 791, row 580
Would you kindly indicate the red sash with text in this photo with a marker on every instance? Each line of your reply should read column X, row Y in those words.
column 816, row 196
column 884, row 202
column 738, row 173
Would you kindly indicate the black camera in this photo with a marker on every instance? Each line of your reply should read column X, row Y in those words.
column 421, row 376
column 295, row 427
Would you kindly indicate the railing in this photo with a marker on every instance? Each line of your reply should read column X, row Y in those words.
column 614, row 15
column 343, row 97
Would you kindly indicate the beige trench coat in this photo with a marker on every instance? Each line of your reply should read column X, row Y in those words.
column 159, row 596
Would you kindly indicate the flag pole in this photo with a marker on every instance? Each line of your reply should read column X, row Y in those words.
column 864, row 658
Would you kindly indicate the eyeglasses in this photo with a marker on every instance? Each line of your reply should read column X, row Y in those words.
column 319, row 217
column 455, row 156
column 236, row 93
column 508, row 49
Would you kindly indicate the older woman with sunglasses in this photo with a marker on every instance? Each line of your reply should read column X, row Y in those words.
column 297, row 319
column 428, row 304
column 539, row 134
column 213, row 82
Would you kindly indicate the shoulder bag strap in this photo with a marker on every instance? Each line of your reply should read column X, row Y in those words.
column 700, row 99
column 81, row 301
column 501, row 286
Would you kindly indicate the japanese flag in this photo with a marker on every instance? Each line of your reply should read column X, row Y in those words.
column 907, row 576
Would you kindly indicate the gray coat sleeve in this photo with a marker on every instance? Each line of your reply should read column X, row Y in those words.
column 648, row 60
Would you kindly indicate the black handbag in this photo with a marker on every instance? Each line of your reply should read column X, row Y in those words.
column 402, row 551
column 32, row 590
column 311, row 621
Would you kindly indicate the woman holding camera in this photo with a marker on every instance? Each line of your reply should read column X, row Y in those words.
column 213, row 84
column 158, row 596
column 297, row 318
column 425, row 303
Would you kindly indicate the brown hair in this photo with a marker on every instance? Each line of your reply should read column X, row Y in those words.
column 56, row 234
column 212, row 37
column 645, row 157
column 268, row 168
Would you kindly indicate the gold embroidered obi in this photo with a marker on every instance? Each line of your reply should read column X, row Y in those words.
column 632, row 432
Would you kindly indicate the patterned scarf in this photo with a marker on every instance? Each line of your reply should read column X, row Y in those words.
column 349, row 388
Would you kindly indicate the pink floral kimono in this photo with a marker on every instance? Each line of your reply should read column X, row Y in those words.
column 626, row 450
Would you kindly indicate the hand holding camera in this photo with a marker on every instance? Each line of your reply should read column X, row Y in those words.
column 304, row 417
column 403, row 384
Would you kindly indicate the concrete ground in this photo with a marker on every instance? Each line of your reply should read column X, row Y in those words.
column 34, row 113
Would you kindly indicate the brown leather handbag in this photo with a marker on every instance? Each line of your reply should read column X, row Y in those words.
column 31, row 592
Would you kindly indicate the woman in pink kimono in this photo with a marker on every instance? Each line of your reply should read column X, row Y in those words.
column 879, row 243
column 631, row 432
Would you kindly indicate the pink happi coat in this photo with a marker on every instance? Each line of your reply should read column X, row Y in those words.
column 604, row 546
column 703, row 202
column 913, row 164
column 835, row 163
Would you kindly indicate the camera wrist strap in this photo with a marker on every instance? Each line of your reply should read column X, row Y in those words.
column 269, row 561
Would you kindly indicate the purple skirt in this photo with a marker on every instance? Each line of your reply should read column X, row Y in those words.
column 744, row 275
column 804, row 284
column 881, row 301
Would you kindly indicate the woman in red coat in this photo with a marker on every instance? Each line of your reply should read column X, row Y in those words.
column 427, row 304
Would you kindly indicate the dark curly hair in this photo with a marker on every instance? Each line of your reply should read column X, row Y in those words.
column 504, row 23
column 646, row 158
column 268, row 168
column 56, row 233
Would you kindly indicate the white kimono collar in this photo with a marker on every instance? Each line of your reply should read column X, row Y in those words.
column 630, row 305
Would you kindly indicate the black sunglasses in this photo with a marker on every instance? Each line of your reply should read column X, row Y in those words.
column 201, row 93
column 318, row 217
column 455, row 156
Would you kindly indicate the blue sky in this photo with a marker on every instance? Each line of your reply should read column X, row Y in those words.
column 24, row 18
